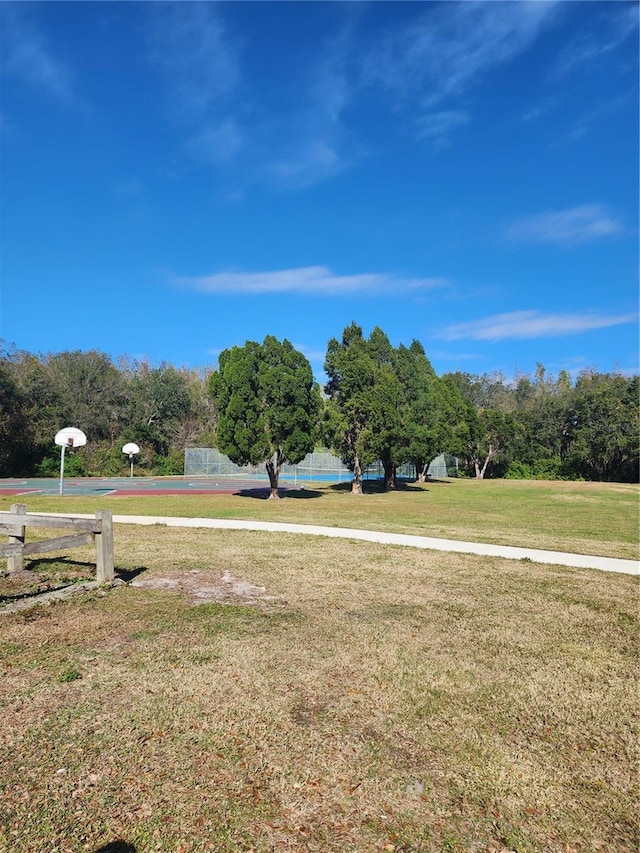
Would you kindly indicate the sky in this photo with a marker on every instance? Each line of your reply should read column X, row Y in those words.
column 179, row 178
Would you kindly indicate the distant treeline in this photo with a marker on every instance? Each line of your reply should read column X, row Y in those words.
column 539, row 426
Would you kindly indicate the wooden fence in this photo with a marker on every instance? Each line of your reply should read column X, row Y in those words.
column 99, row 530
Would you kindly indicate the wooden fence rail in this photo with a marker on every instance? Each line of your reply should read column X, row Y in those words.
column 99, row 530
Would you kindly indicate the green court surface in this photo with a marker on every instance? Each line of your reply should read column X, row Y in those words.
column 133, row 485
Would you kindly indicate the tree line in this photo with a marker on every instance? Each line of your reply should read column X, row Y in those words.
column 262, row 405
column 162, row 409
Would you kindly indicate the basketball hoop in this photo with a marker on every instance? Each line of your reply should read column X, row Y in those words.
column 68, row 437
column 131, row 449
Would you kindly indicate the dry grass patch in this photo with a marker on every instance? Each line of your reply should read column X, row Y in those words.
column 373, row 698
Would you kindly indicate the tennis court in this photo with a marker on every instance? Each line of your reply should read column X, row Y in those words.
column 122, row 486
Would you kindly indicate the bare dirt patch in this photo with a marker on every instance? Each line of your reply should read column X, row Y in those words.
column 208, row 586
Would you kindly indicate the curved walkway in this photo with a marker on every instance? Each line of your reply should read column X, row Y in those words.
column 556, row 558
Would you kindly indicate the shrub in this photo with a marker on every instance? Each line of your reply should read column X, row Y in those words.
column 75, row 465
column 171, row 464
column 518, row 471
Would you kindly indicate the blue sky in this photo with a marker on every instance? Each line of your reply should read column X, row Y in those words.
column 180, row 178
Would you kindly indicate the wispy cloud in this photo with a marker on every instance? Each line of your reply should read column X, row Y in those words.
column 192, row 47
column 308, row 281
column 200, row 61
column 313, row 142
column 218, row 144
column 616, row 25
column 453, row 45
column 532, row 324
column 26, row 55
column 547, row 105
column 436, row 127
column 228, row 113
column 569, row 227
column 597, row 114
column 303, row 135
column 587, row 50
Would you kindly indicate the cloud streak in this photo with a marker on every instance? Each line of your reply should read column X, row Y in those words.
column 570, row 227
column 617, row 24
column 196, row 53
column 229, row 115
column 27, row 56
column 305, row 281
column 314, row 143
column 436, row 127
column 411, row 71
column 532, row 324
column 451, row 46
column 199, row 59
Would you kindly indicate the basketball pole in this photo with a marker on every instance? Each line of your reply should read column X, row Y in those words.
column 62, row 450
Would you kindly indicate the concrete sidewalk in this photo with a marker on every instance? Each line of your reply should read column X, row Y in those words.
column 556, row 558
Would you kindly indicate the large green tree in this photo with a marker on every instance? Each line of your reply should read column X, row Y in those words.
column 88, row 391
column 268, row 405
column 436, row 419
column 362, row 417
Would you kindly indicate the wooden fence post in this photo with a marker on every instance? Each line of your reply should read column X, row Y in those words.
column 104, row 547
column 17, row 535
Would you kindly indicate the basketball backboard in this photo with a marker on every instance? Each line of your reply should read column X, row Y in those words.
column 70, row 437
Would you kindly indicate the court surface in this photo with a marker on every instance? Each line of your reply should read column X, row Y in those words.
column 122, row 486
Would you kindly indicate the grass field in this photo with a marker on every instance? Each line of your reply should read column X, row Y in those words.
column 374, row 698
column 587, row 518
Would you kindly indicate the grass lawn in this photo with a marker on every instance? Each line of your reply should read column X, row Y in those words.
column 586, row 518
column 373, row 699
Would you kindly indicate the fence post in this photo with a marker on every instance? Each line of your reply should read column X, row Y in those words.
column 104, row 547
column 16, row 563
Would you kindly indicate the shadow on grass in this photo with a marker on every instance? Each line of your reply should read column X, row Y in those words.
column 44, row 564
column 33, row 582
column 89, row 568
column 116, row 847
column 370, row 487
column 285, row 494
column 376, row 487
column 44, row 575
column 127, row 575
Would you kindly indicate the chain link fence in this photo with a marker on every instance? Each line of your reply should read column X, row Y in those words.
column 320, row 465
column 209, row 462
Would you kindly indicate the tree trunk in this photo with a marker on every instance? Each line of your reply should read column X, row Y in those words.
column 480, row 472
column 356, row 484
column 273, row 470
column 421, row 471
column 389, row 475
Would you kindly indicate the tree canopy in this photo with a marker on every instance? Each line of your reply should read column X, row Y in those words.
column 363, row 394
column 268, row 405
